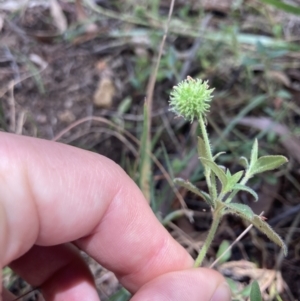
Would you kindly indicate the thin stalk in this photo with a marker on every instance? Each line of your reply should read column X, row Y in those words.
column 210, row 177
column 211, row 234
column 205, row 136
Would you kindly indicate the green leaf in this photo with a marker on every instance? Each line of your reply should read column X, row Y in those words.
column 202, row 151
column 217, row 155
column 254, row 153
column 232, row 180
column 266, row 163
column 125, row 105
column 269, row 232
column 121, row 295
column 255, row 294
column 233, row 285
column 244, row 162
column 145, row 174
column 245, row 292
column 241, row 210
column 246, row 188
column 189, row 186
column 167, row 160
column 262, row 226
column 216, row 169
column 222, row 248
column 235, row 178
column 283, row 6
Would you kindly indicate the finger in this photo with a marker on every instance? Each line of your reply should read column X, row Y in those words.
column 6, row 295
column 193, row 285
column 53, row 193
column 58, row 271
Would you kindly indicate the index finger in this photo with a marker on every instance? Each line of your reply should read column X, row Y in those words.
column 53, row 193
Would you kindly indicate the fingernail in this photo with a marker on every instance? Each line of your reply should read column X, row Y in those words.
column 222, row 293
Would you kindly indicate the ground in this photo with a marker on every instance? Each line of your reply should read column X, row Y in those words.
column 80, row 74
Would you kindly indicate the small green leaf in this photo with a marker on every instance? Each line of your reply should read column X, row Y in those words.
column 236, row 177
column 266, row 163
column 202, row 151
column 233, row 285
column 255, row 294
column 222, row 248
column 216, row 169
column 189, row 186
column 246, row 188
column 145, row 159
column 125, row 105
column 241, row 210
column 254, row 153
column 245, row 292
column 120, row 295
column 217, row 155
column 244, row 162
column 232, row 180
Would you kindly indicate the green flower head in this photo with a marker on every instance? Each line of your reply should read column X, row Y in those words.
column 191, row 98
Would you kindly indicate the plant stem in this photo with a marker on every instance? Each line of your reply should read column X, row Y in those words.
column 205, row 136
column 210, row 177
column 211, row 234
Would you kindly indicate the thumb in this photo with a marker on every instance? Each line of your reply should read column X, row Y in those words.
column 190, row 285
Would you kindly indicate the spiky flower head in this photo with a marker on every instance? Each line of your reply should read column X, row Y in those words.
column 191, row 98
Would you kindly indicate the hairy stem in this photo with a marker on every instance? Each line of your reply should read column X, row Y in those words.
column 211, row 234
column 210, row 177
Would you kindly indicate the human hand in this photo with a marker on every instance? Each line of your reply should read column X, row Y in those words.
column 53, row 194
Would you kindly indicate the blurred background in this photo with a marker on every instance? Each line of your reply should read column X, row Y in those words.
column 97, row 74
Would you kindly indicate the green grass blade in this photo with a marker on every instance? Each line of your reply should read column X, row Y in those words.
column 283, row 6
column 145, row 159
column 255, row 102
column 167, row 160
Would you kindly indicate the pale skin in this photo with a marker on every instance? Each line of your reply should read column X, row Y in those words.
column 56, row 198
